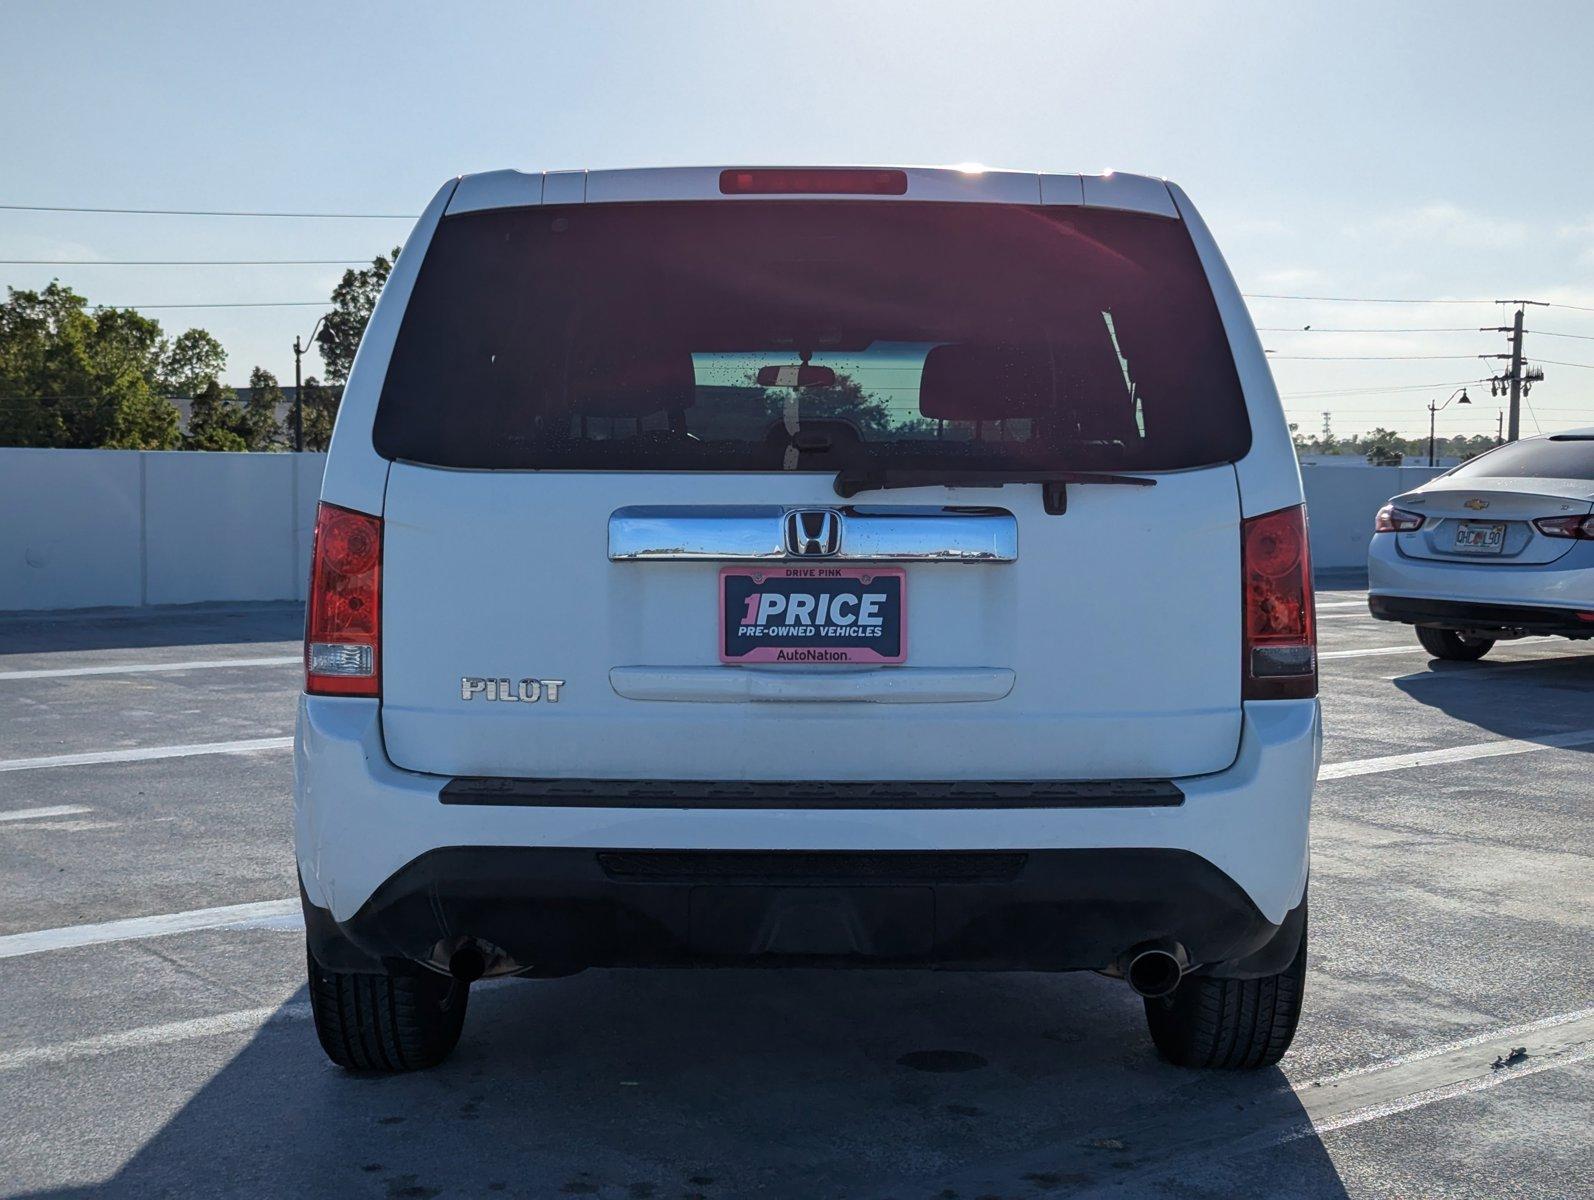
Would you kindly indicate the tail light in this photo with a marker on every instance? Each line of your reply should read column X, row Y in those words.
column 818, row 181
column 1280, row 621
column 1581, row 528
column 1396, row 520
column 343, row 627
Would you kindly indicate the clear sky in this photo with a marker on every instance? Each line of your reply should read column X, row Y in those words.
column 1342, row 149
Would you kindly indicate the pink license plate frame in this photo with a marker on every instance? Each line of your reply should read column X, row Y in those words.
column 797, row 650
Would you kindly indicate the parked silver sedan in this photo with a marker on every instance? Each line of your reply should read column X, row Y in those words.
column 1500, row 547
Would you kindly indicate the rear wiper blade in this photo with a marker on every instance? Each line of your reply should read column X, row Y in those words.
column 852, row 480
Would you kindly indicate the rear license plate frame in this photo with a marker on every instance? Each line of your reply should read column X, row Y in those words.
column 737, row 584
column 1494, row 544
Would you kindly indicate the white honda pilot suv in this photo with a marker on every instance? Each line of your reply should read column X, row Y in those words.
column 809, row 566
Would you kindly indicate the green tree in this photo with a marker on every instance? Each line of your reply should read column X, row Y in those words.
column 214, row 420
column 257, row 423
column 844, row 400
column 352, row 302
column 1383, row 448
column 75, row 377
column 190, row 362
column 320, row 410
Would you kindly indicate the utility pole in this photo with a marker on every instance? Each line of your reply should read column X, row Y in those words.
column 1515, row 383
column 1516, row 376
column 1499, row 427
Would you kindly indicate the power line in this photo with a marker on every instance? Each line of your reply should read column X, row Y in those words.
column 1369, row 357
column 183, row 262
column 1556, row 363
column 1412, row 300
column 1322, row 329
column 1404, row 387
column 1361, row 299
column 206, row 212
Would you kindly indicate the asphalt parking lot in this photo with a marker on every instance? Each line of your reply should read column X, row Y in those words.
column 154, row 1037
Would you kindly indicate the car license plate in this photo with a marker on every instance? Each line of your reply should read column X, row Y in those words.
column 813, row 615
column 1480, row 537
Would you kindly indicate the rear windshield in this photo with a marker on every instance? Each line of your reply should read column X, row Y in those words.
column 1538, row 458
column 810, row 336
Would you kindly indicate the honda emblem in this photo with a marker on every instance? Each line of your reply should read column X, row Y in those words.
column 813, row 532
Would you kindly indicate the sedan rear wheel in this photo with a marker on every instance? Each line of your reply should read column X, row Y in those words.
column 1452, row 646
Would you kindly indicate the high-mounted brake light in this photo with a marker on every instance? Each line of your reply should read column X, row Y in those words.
column 1581, row 528
column 1280, row 620
column 343, row 625
column 765, row 181
column 1397, row 520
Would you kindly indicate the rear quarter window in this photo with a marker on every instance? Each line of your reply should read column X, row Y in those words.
column 809, row 336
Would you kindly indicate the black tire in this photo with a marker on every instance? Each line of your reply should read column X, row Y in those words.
column 1452, row 646
column 1230, row 1023
column 386, row 1022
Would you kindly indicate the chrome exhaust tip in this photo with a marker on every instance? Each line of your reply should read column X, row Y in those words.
column 467, row 964
column 1155, row 971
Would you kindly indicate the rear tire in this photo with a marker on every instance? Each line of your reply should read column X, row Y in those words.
column 1230, row 1023
column 386, row 1022
column 1452, row 646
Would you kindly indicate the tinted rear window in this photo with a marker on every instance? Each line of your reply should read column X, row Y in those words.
column 1537, row 458
column 633, row 337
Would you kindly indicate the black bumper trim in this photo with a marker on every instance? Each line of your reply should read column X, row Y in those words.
column 550, row 911
column 1459, row 615
column 755, row 794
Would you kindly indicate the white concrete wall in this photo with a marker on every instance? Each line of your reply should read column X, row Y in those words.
column 94, row 528
column 1341, row 503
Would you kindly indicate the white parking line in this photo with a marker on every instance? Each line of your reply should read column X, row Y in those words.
column 144, row 754
column 1322, row 654
column 246, row 1020
column 1324, row 605
column 264, row 913
column 206, row 664
column 1453, row 754
column 40, row 814
column 1148, row 1147
column 1414, row 649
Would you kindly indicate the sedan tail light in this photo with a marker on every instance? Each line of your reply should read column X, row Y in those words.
column 1396, row 520
column 1581, row 528
column 343, row 625
column 1280, row 619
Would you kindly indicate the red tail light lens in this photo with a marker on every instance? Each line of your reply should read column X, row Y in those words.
column 1280, row 621
column 1581, row 528
column 1397, row 520
column 813, row 181
column 343, row 627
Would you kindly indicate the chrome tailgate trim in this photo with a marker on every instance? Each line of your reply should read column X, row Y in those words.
column 758, row 533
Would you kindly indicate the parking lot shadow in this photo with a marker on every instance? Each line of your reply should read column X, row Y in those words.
column 177, row 625
column 1511, row 698
column 697, row 1085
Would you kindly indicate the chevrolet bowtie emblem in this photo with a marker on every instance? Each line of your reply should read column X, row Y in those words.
column 1477, row 504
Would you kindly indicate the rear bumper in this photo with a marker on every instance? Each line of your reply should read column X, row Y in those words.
column 1222, row 866
column 1565, row 585
column 1486, row 618
column 543, row 911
